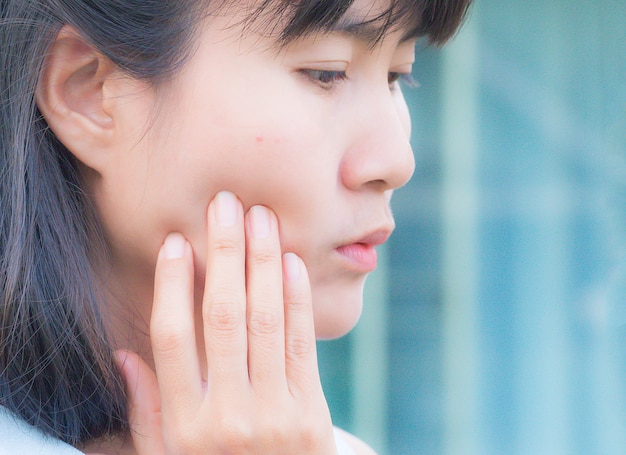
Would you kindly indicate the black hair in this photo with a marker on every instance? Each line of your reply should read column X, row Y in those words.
column 56, row 359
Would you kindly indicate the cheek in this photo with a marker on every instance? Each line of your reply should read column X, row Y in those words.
column 283, row 170
column 263, row 147
column 263, row 162
column 257, row 152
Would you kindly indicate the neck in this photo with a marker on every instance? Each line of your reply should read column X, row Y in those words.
column 128, row 293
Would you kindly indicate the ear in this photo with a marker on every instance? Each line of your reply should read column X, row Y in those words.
column 70, row 97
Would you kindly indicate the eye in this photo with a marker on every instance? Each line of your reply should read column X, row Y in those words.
column 324, row 78
column 405, row 79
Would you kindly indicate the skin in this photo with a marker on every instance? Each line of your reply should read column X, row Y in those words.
column 328, row 172
column 232, row 320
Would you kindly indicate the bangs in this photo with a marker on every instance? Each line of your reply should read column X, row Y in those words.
column 436, row 20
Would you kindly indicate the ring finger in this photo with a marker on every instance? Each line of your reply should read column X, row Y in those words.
column 265, row 311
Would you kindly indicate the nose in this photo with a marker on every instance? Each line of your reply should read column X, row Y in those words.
column 380, row 155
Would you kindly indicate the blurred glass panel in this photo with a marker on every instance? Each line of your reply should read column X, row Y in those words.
column 505, row 319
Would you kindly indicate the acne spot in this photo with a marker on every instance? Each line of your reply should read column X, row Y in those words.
column 260, row 140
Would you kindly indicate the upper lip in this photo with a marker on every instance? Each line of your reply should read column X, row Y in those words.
column 375, row 237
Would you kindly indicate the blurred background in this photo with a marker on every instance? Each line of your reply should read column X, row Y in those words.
column 496, row 322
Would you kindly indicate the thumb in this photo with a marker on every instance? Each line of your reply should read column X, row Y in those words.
column 144, row 403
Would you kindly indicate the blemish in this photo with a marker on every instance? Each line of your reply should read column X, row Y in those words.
column 259, row 139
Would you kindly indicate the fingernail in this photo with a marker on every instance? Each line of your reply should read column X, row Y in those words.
column 260, row 220
column 291, row 266
column 226, row 208
column 174, row 246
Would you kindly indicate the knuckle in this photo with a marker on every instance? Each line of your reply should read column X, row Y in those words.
column 273, row 430
column 262, row 258
column 299, row 346
column 304, row 433
column 310, row 438
column 312, row 433
column 227, row 246
column 223, row 314
column 234, row 434
column 167, row 338
column 299, row 301
column 264, row 322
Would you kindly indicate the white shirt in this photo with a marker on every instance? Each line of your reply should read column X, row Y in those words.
column 19, row 438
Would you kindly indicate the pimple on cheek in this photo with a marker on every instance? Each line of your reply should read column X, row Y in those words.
column 261, row 140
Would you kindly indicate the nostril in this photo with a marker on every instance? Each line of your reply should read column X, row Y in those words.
column 378, row 184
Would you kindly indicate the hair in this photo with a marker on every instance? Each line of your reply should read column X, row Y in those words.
column 56, row 361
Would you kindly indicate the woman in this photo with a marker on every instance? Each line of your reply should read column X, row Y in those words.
column 247, row 152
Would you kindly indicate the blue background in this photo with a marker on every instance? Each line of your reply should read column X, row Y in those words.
column 496, row 323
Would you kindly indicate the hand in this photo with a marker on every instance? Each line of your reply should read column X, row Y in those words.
column 262, row 393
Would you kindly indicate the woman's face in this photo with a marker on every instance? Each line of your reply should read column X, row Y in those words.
column 315, row 131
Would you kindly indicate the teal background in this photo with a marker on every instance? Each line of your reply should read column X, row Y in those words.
column 496, row 322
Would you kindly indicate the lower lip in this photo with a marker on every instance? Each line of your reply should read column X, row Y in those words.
column 361, row 256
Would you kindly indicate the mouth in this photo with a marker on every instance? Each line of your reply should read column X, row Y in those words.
column 360, row 255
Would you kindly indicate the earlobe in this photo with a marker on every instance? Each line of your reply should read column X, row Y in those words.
column 70, row 96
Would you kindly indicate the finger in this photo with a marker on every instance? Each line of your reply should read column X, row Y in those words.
column 265, row 311
column 172, row 330
column 224, row 306
column 300, row 348
column 144, row 410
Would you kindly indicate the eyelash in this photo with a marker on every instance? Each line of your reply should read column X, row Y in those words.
column 328, row 79
column 405, row 79
column 324, row 78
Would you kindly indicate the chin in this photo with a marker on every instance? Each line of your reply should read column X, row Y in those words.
column 336, row 309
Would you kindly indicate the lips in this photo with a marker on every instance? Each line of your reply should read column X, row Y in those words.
column 361, row 255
